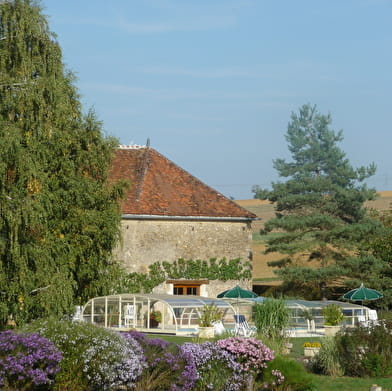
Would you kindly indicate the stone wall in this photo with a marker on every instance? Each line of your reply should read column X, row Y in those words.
column 212, row 289
column 147, row 241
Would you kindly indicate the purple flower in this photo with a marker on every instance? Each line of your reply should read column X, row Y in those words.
column 251, row 353
column 27, row 359
column 164, row 357
column 217, row 369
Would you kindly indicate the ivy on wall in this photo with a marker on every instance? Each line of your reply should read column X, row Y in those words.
column 159, row 272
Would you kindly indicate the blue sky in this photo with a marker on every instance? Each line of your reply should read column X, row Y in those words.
column 212, row 83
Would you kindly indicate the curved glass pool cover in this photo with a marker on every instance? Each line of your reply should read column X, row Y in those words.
column 152, row 312
column 298, row 308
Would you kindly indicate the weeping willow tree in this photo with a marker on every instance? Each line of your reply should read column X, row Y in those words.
column 59, row 219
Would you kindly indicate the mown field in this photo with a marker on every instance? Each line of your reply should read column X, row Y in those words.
column 264, row 211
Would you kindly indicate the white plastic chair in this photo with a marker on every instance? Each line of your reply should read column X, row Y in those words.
column 129, row 315
column 77, row 316
column 362, row 321
column 242, row 328
column 373, row 317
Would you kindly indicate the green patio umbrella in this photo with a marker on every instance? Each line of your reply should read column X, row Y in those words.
column 237, row 293
column 362, row 293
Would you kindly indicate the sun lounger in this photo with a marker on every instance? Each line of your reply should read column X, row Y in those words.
column 242, row 327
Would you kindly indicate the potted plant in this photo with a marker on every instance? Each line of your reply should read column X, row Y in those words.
column 333, row 316
column 209, row 314
column 155, row 318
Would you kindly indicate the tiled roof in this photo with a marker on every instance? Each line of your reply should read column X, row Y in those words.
column 161, row 188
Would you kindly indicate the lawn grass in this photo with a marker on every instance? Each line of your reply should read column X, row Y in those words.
column 323, row 383
column 179, row 340
column 327, row 383
column 297, row 350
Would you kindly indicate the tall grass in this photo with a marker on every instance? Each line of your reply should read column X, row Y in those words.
column 271, row 318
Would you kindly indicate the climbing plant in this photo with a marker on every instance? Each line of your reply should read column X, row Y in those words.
column 59, row 219
column 213, row 269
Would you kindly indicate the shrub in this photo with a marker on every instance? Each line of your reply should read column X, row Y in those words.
column 169, row 366
column 93, row 358
column 216, row 368
column 295, row 377
column 27, row 361
column 327, row 360
column 252, row 355
column 333, row 315
column 365, row 351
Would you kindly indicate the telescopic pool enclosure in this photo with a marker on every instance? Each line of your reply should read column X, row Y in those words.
column 300, row 310
column 175, row 314
column 179, row 314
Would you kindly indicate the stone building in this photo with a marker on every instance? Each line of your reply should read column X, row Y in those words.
column 169, row 214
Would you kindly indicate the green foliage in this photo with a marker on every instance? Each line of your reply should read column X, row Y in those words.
column 366, row 351
column 327, row 360
column 271, row 318
column 320, row 208
column 59, row 219
column 156, row 315
column 307, row 314
column 260, row 193
column 296, row 378
column 374, row 266
column 214, row 269
column 374, row 272
column 333, row 315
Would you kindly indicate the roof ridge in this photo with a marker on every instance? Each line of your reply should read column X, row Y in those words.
column 145, row 163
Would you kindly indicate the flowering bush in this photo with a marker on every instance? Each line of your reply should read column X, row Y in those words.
column 217, row 368
column 93, row 358
column 27, row 360
column 252, row 355
column 312, row 345
column 169, row 366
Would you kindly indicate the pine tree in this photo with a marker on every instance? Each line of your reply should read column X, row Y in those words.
column 374, row 265
column 320, row 215
column 59, row 219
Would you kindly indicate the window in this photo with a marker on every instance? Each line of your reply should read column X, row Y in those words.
column 186, row 289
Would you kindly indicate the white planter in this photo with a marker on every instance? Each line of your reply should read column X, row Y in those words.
column 331, row 331
column 311, row 352
column 206, row 332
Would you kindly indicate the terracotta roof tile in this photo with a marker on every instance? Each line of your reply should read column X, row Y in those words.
column 160, row 187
